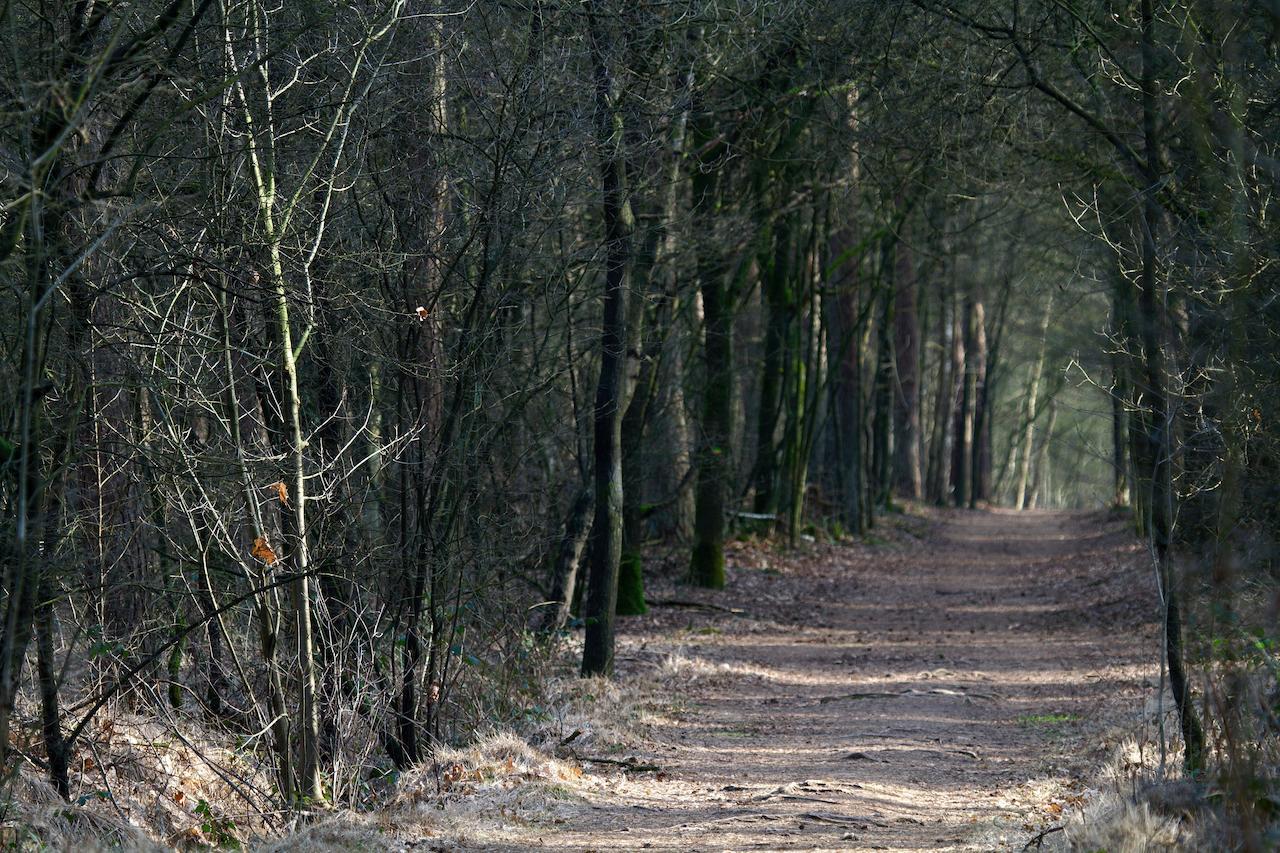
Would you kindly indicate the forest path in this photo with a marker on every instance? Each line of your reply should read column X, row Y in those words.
column 945, row 690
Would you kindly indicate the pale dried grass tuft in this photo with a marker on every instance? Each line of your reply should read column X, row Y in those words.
column 679, row 667
column 137, row 784
column 1140, row 805
column 38, row 819
column 509, row 782
column 1119, row 826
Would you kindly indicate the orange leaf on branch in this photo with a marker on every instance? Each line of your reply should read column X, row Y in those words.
column 263, row 551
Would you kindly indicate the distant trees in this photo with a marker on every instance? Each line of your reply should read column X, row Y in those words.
column 1179, row 169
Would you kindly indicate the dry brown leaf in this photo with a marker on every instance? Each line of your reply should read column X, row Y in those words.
column 454, row 773
column 262, row 550
column 281, row 492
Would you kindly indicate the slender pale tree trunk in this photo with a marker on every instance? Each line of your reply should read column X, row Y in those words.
column 266, row 611
column 567, row 560
column 1032, row 404
column 1119, row 435
column 907, row 476
column 980, row 451
column 310, row 784
column 955, row 472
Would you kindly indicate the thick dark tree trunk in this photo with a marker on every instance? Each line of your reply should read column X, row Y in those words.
column 1159, row 415
column 845, row 352
column 606, row 530
column 714, row 446
column 56, row 748
column 715, row 466
column 776, row 291
column 631, row 570
column 882, row 419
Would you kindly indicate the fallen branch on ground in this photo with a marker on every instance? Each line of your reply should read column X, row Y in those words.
column 1038, row 841
column 629, row 766
column 696, row 605
column 842, row 820
column 891, row 694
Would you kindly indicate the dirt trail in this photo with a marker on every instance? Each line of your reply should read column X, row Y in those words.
column 946, row 690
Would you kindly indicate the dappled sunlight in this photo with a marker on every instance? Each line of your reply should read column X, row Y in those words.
column 885, row 727
column 968, row 723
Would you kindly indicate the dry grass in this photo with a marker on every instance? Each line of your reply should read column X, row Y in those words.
column 138, row 786
column 506, row 781
column 1142, row 804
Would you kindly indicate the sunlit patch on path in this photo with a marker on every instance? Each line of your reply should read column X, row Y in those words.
column 942, row 694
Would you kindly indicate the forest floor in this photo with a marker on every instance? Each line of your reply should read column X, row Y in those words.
column 954, row 685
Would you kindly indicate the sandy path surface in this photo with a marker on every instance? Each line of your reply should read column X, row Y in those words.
column 947, row 689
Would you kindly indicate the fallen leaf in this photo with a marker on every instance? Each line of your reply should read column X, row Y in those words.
column 454, row 773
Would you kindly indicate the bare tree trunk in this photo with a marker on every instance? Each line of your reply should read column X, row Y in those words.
column 959, row 359
column 1032, row 402
column 56, row 749
column 907, row 476
column 962, row 457
column 882, row 418
column 938, row 470
column 568, row 558
column 1119, row 435
column 1159, row 432
column 266, row 609
column 1038, row 495
column 310, row 785
column 980, row 452
column 715, row 445
column 606, row 531
column 778, row 299
column 678, row 517
column 844, row 361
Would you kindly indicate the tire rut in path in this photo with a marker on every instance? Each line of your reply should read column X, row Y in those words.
column 932, row 696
